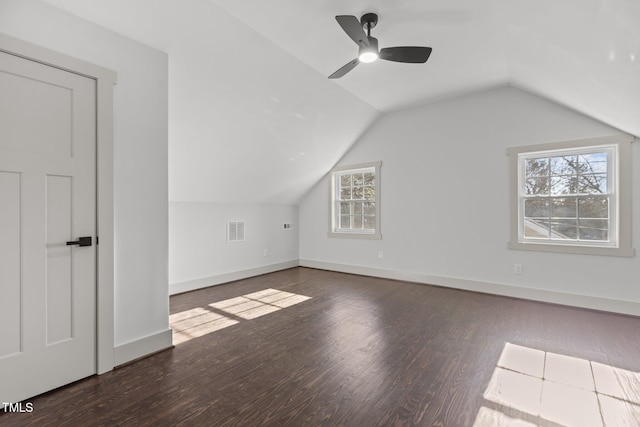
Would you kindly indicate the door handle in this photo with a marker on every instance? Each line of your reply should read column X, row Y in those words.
column 82, row 241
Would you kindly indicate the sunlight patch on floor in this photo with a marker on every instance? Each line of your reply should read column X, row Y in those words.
column 180, row 336
column 491, row 417
column 533, row 387
column 201, row 321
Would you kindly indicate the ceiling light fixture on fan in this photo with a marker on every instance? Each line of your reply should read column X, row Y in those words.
column 368, row 46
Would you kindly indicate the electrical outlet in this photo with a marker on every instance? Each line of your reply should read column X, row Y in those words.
column 265, row 252
column 517, row 268
column 380, row 255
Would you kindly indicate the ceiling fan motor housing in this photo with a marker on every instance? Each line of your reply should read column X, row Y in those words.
column 373, row 46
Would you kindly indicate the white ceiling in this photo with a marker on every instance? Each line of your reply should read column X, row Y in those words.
column 467, row 44
column 251, row 107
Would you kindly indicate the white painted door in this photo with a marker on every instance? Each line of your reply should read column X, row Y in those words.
column 47, row 198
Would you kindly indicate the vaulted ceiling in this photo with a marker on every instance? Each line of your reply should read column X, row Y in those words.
column 254, row 119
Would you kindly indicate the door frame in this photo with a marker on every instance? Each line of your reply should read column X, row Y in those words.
column 105, row 80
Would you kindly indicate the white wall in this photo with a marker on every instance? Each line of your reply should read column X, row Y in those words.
column 245, row 141
column 140, row 155
column 445, row 205
column 200, row 255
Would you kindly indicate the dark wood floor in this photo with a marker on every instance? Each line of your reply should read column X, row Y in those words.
column 360, row 352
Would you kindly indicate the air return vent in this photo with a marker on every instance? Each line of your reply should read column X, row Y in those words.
column 235, row 231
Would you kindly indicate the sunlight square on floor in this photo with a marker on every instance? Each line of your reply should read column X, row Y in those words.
column 522, row 359
column 617, row 412
column 514, row 391
column 569, row 370
column 616, row 382
column 569, row 406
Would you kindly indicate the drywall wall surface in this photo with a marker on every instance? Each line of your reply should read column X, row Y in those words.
column 249, row 115
column 445, row 201
column 140, row 154
column 199, row 246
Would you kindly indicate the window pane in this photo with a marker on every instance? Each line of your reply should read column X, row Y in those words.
column 536, row 208
column 564, row 185
column 358, row 179
column 594, row 229
column 593, row 207
column 536, row 228
column 345, row 181
column 369, row 178
column 345, row 194
column 593, row 183
column 593, row 163
column 345, row 208
column 357, row 208
column 564, row 165
column 369, row 208
column 370, row 222
column 564, row 208
column 564, row 229
column 536, row 186
column 357, row 193
column 537, row 167
column 345, row 221
column 357, row 222
column 369, row 193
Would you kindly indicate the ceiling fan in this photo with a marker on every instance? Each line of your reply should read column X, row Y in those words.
column 368, row 46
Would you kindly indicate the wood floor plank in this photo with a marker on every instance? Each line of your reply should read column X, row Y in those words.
column 359, row 352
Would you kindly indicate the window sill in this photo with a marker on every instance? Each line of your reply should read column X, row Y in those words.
column 568, row 249
column 366, row 236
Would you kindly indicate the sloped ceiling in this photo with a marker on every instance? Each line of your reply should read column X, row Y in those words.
column 253, row 117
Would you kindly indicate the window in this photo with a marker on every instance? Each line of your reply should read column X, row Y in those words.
column 572, row 197
column 355, row 201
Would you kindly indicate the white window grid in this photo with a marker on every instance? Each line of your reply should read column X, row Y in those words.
column 355, row 200
column 577, row 196
column 359, row 201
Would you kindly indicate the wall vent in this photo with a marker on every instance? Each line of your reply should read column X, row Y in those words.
column 235, row 231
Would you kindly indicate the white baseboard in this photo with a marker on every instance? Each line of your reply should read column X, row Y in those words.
column 574, row 300
column 205, row 282
column 142, row 347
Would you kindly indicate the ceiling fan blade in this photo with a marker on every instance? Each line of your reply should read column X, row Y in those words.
column 345, row 69
column 353, row 28
column 411, row 54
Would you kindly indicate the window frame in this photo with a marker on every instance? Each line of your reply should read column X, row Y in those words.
column 620, row 197
column 334, row 231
